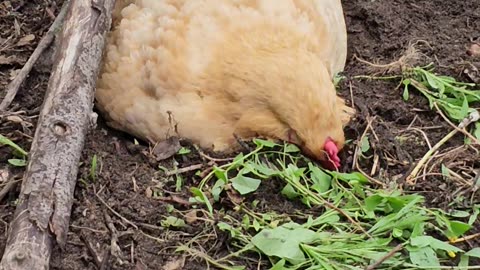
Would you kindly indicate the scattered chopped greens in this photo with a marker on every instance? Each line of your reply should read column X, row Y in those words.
column 454, row 98
column 331, row 238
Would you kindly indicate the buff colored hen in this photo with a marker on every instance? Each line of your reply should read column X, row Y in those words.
column 208, row 69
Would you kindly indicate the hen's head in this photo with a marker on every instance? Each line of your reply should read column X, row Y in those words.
column 314, row 114
column 322, row 139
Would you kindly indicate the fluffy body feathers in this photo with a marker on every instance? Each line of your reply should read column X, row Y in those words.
column 207, row 69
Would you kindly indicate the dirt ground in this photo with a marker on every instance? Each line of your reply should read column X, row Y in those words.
column 379, row 31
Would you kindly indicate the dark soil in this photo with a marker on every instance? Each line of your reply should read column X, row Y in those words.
column 129, row 182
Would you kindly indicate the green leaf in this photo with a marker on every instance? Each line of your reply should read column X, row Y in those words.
column 321, row 180
column 178, row 183
column 6, row 141
column 280, row 265
column 289, row 192
column 291, row 148
column 172, row 221
column 265, row 143
column 347, row 177
column 238, row 158
column 473, row 217
column 201, row 197
column 457, row 229
column 424, row 257
column 445, row 171
column 228, row 228
column 293, row 172
column 220, row 174
column 464, row 262
column 263, row 169
column 418, row 229
column 245, row 185
column 17, row 162
column 475, row 252
column 93, row 168
column 406, row 94
column 327, row 218
column 184, row 151
column 365, row 144
column 372, row 202
column 397, row 233
column 424, row 241
column 465, row 108
column 431, row 81
column 217, row 189
column 284, row 243
column 256, row 225
column 459, row 214
column 476, row 131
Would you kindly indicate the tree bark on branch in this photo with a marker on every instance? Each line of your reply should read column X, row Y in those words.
column 43, row 212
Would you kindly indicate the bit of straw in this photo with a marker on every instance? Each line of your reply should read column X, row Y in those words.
column 428, row 155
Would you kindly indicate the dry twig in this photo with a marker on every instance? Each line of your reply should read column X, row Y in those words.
column 184, row 170
column 386, row 257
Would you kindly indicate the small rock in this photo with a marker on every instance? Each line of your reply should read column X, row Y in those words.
column 4, row 175
column 472, row 73
column 474, row 50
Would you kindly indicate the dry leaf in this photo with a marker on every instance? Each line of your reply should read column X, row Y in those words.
column 25, row 40
column 8, row 5
column 192, row 216
column 14, row 119
column 234, row 197
column 175, row 264
column 149, row 192
column 8, row 60
column 473, row 73
column 17, row 27
column 4, row 175
column 14, row 73
column 140, row 266
column 166, row 149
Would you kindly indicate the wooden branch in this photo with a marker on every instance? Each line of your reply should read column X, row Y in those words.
column 46, row 40
column 43, row 211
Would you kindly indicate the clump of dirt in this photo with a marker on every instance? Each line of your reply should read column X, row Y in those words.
column 129, row 196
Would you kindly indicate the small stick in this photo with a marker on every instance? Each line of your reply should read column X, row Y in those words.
column 466, row 238
column 184, row 169
column 428, row 155
column 214, row 159
column 115, row 212
column 46, row 40
column 355, row 161
column 9, row 185
column 430, row 152
column 464, row 123
column 351, row 93
column 175, row 199
column 386, row 257
column 97, row 259
column 114, row 247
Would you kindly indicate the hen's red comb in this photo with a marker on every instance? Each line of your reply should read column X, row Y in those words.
column 331, row 148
